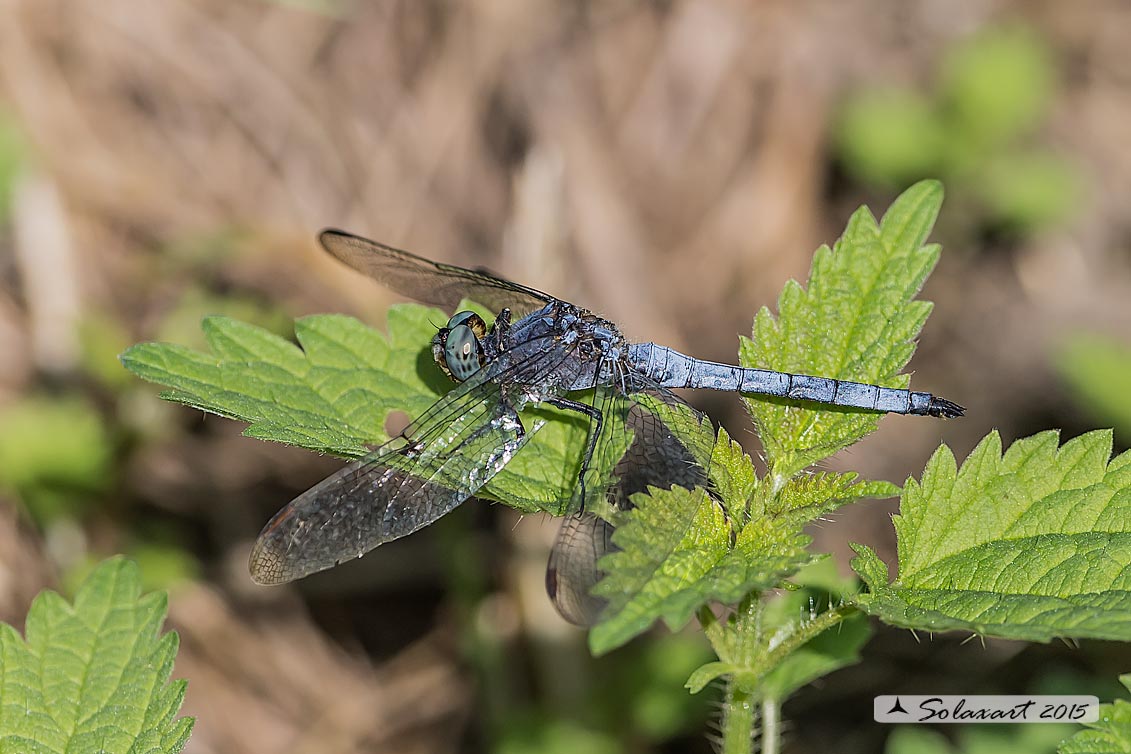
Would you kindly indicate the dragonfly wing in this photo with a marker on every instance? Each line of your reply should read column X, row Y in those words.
column 669, row 447
column 435, row 283
column 439, row 461
column 572, row 571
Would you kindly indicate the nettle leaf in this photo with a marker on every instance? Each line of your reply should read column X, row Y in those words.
column 1111, row 734
column 93, row 676
column 676, row 553
column 334, row 391
column 1033, row 544
column 832, row 649
column 747, row 639
column 680, row 549
column 808, row 496
column 330, row 393
column 857, row 320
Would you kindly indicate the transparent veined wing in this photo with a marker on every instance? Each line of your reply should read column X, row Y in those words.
column 437, row 462
column 670, row 446
column 583, row 539
column 429, row 282
column 443, row 457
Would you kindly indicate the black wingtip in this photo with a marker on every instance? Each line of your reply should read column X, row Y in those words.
column 945, row 409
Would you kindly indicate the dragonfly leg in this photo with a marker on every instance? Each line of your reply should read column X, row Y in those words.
column 590, row 447
column 501, row 328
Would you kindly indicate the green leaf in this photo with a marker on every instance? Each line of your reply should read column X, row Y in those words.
column 55, row 453
column 1033, row 544
column 809, row 496
column 676, row 553
column 1111, row 734
column 749, row 642
column 334, row 391
column 680, row 549
column 93, row 676
column 830, row 650
column 857, row 320
column 675, row 556
column 331, row 393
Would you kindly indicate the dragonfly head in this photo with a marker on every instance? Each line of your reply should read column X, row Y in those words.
column 456, row 348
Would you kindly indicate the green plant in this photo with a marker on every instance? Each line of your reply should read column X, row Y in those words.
column 973, row 129
column 973, row 739
column 1043, row 525
column 92, row 676
column 1097, row 370
column 1111, row 733
column 55, row 455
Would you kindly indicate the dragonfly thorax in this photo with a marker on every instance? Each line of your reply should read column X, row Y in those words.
column 457, row 348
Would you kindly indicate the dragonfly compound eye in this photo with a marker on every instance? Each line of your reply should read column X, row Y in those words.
column 471, row 319
column 462, row 353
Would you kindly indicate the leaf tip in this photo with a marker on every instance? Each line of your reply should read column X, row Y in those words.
column 929, row 187
column 872, row 570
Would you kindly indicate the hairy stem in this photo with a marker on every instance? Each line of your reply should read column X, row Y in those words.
column 739, row 716
column 741, row 701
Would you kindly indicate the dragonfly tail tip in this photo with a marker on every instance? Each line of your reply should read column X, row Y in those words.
column 945, row 409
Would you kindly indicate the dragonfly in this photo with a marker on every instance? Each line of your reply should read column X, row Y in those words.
column 539, row 350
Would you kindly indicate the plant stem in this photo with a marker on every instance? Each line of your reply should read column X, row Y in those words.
column 740, row 707
column 771, row 726
column 739, row 716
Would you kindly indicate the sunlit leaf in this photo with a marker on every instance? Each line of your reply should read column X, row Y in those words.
column 1031, row 544
column 680, row 549
column 92, row 676
column 857, row 320
column 334, row 391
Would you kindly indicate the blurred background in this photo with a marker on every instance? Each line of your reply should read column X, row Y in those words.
column 669, row 164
